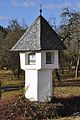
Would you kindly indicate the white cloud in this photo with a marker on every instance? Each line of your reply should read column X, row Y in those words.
column 2, row 17
column 16, row 3
column 58, row 6
column 23, row 3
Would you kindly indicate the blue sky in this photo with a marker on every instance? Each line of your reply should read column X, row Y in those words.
column 28, row 10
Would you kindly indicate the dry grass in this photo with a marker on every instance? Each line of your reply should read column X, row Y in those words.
column 11, row 94
column 63, row 91
column 8, row 79
column 68, row 118
column 67, row 91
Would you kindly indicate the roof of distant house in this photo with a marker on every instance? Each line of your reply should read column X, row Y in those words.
column 39, row 36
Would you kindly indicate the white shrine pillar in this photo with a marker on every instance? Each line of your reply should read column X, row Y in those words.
column 38, row 68
column 38, row 48
column 38, row 85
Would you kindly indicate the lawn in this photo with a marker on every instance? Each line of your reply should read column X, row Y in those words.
column 7, row 96
column 68, row 118
column 8, row 79
column 66, row 92
column 65, row 88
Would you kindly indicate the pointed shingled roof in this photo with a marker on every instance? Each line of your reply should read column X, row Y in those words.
column 39, row 36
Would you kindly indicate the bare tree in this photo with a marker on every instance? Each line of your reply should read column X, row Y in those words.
column 70, row 34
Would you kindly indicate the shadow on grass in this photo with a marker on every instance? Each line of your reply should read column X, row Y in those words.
column 64, row 83
column 71, row 105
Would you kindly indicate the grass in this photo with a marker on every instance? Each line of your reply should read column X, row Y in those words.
column 68, row 118
column 11, row 94
column 65, row 75
column 66, row 91
column 63, row 92
column 8, row 79
column 13, row 83
column 69, row 85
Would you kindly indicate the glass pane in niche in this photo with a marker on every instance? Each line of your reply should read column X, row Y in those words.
column 48, row 58
column 32, row 59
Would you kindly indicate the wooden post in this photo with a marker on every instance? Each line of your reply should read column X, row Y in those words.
column 0, row 89
column 57, row 75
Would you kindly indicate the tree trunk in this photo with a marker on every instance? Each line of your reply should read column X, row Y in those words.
column 0, row 89
column 18, row 74
column 62, row 70
column 77, row 66
column 70, row 67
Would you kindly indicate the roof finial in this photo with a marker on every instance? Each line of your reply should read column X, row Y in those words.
column 40, row 9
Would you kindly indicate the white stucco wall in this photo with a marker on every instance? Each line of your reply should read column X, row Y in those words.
column 40, row 61
column 38, row 77
column 44, row 85
column 22, row 61
column 55, row 59
column 31, row 84
column 38, row 85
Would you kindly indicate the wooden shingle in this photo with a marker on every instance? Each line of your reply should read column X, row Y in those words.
column 39, row 36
